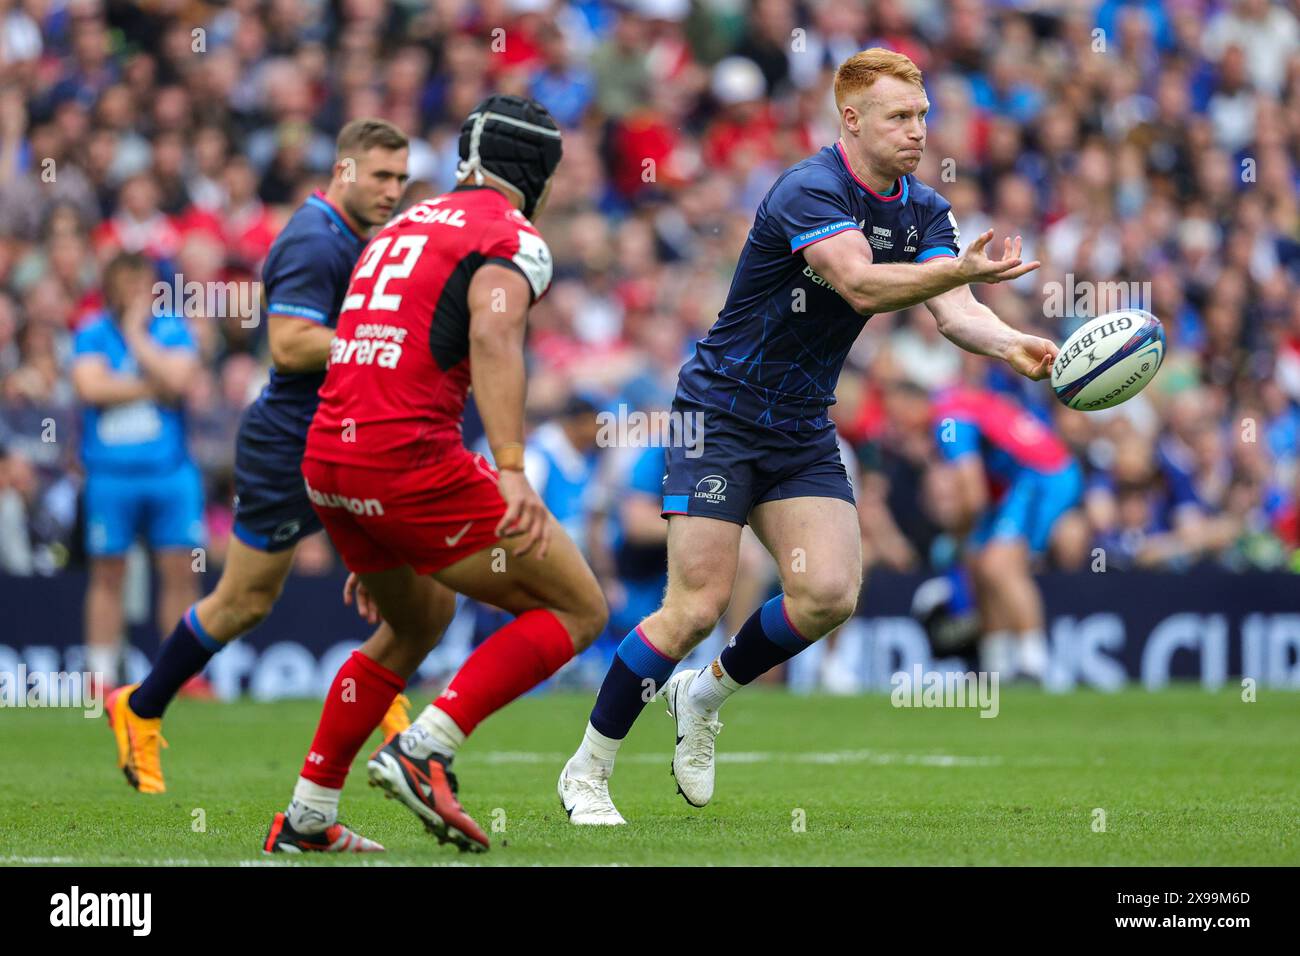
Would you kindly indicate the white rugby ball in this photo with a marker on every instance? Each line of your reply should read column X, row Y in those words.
column 1108, row 360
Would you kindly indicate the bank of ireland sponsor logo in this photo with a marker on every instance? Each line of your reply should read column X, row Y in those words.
column 711, row 488
column 821, row 232
column 817, row 279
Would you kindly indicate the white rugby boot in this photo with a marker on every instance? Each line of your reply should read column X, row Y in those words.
column 584, row 794
column 696, row 732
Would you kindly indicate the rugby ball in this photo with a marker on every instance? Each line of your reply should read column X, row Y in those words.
column 1108, row 360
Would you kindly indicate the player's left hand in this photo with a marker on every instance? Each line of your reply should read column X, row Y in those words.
column 366, row 606
column 525, row 514
column 1032, row 357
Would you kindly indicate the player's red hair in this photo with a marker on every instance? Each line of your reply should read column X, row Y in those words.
column 860, row 72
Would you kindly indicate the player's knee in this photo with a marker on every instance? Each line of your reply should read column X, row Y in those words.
column 816, row 622
column 1069, row 542
column 1004, row 563
column 247, row 608
column 695, row 613
column 589, row 617
column 258, row 607
column 820, row 607
column 441, row 608
column 180, row 581
column 414, row 622
column 986, row 567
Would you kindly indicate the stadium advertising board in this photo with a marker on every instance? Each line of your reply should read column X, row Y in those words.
column 1105, row 631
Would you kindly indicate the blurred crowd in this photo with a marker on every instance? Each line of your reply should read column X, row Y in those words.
column 1142, row 145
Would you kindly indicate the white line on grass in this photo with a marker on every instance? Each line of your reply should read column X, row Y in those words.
column 879, row 758
column 759, row 756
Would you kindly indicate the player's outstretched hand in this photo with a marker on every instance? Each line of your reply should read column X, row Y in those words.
column 976, row 265
column 1032, row 357
column 366, row 606
column 525, row 514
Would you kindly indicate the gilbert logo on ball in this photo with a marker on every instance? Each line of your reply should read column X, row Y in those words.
column 1109, row 359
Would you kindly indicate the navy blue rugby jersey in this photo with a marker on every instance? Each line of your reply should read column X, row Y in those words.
column 775, row 353
column 306, row 276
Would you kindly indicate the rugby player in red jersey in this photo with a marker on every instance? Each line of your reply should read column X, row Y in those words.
column 437, row 304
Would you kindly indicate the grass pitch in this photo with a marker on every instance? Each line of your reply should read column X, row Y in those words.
column 1182, row 777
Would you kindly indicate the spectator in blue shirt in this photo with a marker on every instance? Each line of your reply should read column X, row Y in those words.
column 131, row 369
column 566, row 89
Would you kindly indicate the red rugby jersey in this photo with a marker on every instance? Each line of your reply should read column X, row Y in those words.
column 1005, row 426
column 399, row 363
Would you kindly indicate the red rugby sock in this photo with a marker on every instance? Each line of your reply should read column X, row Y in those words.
column 512, row 661
column 357, row 701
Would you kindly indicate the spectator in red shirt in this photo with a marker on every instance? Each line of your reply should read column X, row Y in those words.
column 138, row 225
column 745, row 130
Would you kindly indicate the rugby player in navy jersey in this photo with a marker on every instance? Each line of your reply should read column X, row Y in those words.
column 842, row 235
column 304, row 277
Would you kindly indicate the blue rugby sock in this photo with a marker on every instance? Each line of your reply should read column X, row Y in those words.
column 765, row 640
column 181, row 656
column 624, row 693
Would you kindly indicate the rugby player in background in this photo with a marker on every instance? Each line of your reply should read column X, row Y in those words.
column 1014, row 480
column 439, row 302
column 304, row 277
